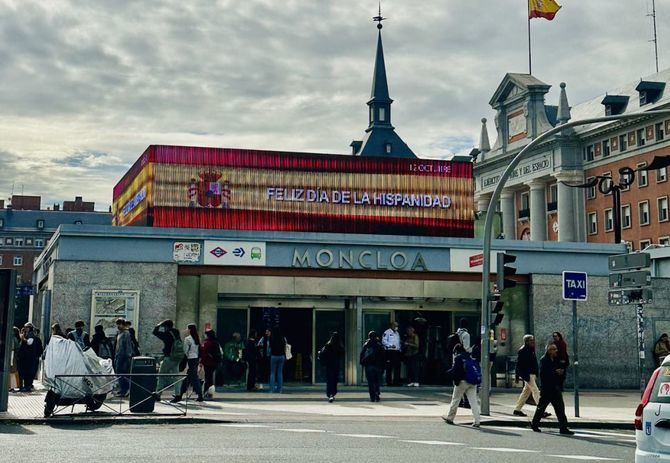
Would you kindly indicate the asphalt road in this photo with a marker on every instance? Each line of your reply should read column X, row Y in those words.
column 386, row 440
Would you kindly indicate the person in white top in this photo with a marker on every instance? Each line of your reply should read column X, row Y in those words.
column 192, row 352
column 391, row 342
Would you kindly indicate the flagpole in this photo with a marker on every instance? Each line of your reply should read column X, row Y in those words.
column 530, row 53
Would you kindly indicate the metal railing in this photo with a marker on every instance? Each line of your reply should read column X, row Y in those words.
column 91, row 398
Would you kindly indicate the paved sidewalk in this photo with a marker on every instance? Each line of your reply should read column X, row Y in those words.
column 599, row 409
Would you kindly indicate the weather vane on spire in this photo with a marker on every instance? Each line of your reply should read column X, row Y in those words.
column 379, row 18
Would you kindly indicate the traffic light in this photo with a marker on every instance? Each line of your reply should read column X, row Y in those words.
column 496, row 308
column 504, row 271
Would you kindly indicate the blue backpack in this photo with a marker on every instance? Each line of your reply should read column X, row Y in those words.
column 473, row 375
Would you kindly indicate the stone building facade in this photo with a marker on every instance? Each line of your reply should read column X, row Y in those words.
column 537, row 203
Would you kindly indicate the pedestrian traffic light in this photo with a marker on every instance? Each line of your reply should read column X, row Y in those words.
column 496, row 308
column 503, row 271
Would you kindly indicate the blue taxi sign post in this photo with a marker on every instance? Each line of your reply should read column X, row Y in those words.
column 575, row 288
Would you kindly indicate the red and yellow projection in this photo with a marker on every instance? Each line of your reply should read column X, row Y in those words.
column 192, row 187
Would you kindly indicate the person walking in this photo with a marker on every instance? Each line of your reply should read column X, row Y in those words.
column 391, row 344
column 466, row 376
column 173, row 353
column 210, row 359
column 80, row 336
column 277, row 360
column 372, row 359
column 661, row 349
column 412, row 358
column 562, row 354
column 526, row 371
column 101, row 344
column 264, row 358
column 329, row 356
column 251, row 357
column 192, row 352
column 551, row 374
column 122, row 356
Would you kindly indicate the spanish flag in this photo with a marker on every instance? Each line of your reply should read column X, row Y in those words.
column 546, row 9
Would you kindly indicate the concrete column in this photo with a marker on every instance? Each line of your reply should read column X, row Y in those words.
column 508, row 216
column 567, row 230
column 483, row 202
column 538, row 210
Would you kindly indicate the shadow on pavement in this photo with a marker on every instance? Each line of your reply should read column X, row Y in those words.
column 14, row 429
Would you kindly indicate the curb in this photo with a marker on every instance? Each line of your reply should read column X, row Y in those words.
column 112, row 420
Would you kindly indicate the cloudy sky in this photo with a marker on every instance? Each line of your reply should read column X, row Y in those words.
column 86, row 85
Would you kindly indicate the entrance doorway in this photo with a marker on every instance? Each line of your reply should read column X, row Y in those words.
column 433, row 329
column 296, row 327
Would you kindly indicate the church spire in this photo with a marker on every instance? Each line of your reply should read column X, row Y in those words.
column 380, row 138
column 380, row 88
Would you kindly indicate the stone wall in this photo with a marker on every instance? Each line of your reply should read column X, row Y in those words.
column 73, row 283
column 607, row 337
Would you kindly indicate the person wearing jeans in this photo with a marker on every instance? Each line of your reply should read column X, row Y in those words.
column 277, row 360
column 122, row 357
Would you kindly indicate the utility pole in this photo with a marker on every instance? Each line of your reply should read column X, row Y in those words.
column 655, row 39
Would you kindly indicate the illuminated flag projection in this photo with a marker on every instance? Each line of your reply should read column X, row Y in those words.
column 194, row 187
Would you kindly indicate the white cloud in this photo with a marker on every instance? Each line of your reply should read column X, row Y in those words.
column 86, row 86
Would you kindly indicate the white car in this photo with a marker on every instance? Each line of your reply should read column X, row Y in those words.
column 652, row 418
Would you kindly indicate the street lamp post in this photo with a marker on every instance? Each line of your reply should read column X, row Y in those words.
column 486, row 267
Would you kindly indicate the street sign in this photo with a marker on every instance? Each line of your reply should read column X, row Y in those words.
column 632, row 279
column 631, row 261
column 630, row 296
column 575, row 286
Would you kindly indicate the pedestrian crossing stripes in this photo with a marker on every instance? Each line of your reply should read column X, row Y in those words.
column 431, row 442
column 583, row 458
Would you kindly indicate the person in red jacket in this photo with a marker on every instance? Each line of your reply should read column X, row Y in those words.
column 210, row 358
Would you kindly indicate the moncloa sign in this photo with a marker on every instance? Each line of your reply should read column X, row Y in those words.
column 358, row 259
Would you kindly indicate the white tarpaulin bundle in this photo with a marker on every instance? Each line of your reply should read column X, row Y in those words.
column 65, row 357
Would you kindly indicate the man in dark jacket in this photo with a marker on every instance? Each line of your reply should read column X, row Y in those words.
column 29, row 353
column 550, row 390
column 526, row 371
column 373, row 359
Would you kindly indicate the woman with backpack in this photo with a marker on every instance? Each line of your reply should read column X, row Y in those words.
column 192, row 353
column 372, row 358
column 467, row 376
column 210, row 359
column 329, row 356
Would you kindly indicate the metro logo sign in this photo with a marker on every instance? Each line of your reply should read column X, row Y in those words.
column 236, row 253
column 218, row 252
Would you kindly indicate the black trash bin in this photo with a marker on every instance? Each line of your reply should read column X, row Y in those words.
column 142, row 388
